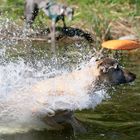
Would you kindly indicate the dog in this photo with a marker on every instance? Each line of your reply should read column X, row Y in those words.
column 55, row 11
column 106, row 70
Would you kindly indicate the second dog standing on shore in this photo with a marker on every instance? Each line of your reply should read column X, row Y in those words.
column 55, row 11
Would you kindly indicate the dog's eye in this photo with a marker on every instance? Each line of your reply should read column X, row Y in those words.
column 116, row 66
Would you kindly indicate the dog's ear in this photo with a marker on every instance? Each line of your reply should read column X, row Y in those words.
column 102, row 67
column 62, row 10
column 105, row 66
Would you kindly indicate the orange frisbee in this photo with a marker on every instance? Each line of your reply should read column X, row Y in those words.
column 121, row 44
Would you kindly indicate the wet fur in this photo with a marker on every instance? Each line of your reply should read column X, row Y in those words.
column 106, row 70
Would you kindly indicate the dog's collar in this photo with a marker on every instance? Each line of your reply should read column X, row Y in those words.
column 53, row 17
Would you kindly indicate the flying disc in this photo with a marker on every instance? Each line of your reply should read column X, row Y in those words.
column 121, row 44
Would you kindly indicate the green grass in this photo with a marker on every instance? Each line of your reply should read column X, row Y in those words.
column 91, row 15
column 85, row 9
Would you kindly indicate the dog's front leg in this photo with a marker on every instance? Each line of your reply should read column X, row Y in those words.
column 53, row 35
column 76, row 125
column 30, row 13
column 64, row 23
column 51, row 122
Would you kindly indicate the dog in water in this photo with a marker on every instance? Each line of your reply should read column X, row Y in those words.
column 106, row 70
column 55, row 11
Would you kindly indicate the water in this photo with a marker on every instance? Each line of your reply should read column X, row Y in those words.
column 23, row 64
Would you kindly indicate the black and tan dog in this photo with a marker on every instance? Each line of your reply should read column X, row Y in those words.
column 106, row 70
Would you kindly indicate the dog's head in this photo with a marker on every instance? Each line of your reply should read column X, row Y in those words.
column 51, row 8
column 69, row 12
column 111, row 72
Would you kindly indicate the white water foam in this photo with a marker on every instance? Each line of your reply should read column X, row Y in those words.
column 11, row 32
column 18, row 105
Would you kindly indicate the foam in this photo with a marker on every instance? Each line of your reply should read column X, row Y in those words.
column 18, row 106
column 21, row 109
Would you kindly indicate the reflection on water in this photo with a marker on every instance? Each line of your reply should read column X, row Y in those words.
column 41, row 135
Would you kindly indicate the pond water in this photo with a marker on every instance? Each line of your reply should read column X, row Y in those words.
column 116, row 118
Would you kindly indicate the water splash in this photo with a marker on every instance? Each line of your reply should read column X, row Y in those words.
column 17, row 102
column 11, row 32
column 19, row 74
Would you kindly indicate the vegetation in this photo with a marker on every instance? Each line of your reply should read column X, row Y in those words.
column 101, row 17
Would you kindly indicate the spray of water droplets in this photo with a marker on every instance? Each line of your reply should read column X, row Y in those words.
column 19, row 74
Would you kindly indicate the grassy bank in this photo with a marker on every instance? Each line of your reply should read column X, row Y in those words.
column 104, row 18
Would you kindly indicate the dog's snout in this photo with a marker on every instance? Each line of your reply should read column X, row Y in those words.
column 111, row 72
column 133, row 77
column 130, row 77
